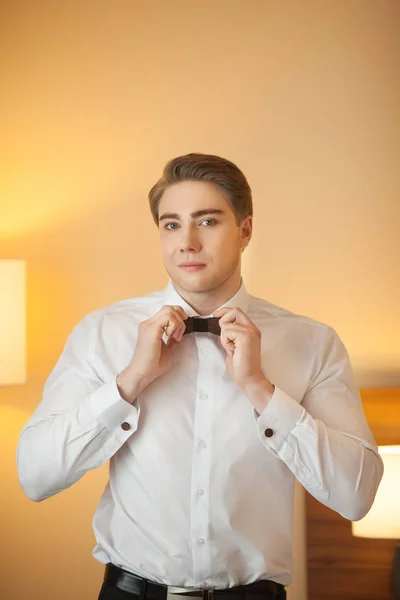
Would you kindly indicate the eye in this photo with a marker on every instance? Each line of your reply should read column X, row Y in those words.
column 167, row 226
column 210, row 221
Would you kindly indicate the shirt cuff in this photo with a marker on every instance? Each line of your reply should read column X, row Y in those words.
column 278, row 419
column 117, row 415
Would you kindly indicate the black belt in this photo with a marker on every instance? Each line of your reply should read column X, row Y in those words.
column 148, row 590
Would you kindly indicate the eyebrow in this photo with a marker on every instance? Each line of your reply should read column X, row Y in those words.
column 193, row 215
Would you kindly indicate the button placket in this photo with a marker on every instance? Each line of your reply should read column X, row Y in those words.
column 200, row 510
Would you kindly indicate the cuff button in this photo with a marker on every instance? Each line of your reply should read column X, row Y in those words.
column 125, row 426
column 268, row 432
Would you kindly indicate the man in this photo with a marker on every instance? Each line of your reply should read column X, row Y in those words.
column 208, row 402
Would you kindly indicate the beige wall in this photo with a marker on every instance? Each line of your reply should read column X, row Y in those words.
column 303, row 95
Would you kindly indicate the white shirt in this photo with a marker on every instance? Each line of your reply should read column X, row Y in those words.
column 198, row 495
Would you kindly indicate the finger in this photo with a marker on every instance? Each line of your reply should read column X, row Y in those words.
column 183, row 330
column 228, row 344
column 234, row 336
column 171, row 320
column 226, row 315
column 222, row 311
column 183, row 316
column 170, row 326
column 176, row 333
column 177, row 329
column 179, row 332
column 235, row 315
column 169, row 310
column 228, row 338
column 180, row 311
column 233, row 332
column 230, row 333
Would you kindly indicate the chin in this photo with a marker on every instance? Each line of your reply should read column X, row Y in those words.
column 192, row 286
column 196, row 282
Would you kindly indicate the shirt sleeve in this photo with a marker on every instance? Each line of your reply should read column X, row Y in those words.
column 81, row 422
column 325, row 440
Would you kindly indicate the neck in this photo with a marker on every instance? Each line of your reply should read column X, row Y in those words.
column 206, row 302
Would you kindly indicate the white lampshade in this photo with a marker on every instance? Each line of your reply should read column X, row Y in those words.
column 12, row 322
column 383, row 520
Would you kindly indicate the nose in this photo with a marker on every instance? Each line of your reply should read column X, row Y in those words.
column 189, row 241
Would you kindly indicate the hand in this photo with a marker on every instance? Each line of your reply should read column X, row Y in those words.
column 152, row 357
column 242, row 341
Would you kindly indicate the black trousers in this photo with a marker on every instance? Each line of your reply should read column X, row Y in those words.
column 109, row 592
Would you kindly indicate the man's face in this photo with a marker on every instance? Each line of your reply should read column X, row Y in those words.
column 201, row 244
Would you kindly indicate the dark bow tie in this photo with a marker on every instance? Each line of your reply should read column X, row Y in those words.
column 209, row 325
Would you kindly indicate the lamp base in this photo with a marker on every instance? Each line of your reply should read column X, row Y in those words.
column 396, row 570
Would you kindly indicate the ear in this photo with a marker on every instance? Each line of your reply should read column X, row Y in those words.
column 246, row 230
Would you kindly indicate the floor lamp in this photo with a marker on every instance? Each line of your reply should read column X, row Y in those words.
column 12, row 322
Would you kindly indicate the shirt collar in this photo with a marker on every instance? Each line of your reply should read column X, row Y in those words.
column 239, row 300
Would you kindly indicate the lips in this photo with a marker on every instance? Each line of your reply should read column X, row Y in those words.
column 192, row 266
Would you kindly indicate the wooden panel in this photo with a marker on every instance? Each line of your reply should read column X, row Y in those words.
column 341, row 566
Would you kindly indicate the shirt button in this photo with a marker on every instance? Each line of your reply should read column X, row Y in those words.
column 206, row 351
column 268, row 432
column 203, row 396
column 202, row 444
column 125, row 426
column 200, row 542
column 200, row 492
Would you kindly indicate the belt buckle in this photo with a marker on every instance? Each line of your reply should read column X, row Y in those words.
column 208, row 594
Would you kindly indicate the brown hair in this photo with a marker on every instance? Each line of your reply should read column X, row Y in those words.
column 208, row 168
